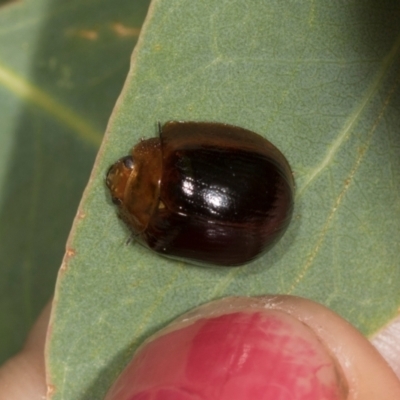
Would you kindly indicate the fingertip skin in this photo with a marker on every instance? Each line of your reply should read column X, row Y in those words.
column 269, row 347
column 237, row 356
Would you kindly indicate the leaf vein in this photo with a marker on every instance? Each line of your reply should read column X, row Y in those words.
column 347, row 182
column 353, row 119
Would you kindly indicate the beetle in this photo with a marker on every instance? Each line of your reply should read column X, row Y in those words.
column 205, row 192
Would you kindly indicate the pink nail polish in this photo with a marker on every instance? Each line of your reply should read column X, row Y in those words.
column 263, row 355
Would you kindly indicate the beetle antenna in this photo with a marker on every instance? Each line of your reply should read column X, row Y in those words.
column 159, row 129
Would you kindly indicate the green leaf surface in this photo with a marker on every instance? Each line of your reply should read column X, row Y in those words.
column 62, row 66
column 321, row 81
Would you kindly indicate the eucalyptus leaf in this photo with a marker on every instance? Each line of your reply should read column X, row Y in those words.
column 321, row 81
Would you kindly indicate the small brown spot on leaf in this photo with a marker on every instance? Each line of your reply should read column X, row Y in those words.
column 88, row 34
column 81, row 215
column 70, row 253
column 64, row 267
column 124, row 31
column 50, row 390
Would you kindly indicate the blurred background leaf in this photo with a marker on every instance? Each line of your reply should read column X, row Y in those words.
column 62, row 66
column 321, row 81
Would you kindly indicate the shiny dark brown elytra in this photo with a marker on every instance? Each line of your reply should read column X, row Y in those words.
column 205, row 192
